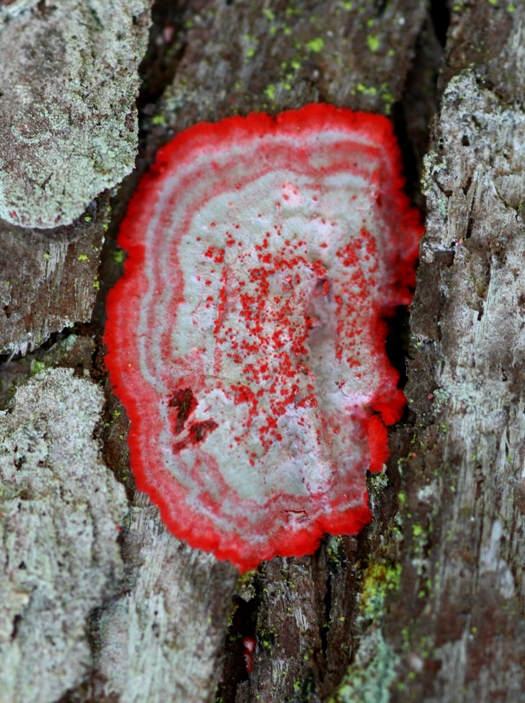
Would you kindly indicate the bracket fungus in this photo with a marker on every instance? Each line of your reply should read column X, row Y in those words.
column 246, row 338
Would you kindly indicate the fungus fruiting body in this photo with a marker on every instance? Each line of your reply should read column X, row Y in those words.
column 246, row 338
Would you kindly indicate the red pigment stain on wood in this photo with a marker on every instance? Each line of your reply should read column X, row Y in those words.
column 246, row 338
column 248, row 645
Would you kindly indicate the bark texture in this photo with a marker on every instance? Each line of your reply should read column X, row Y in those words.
column 61, row 509
column 48, row 279
column 68, row 122
column 459, row 628
column 425, row 604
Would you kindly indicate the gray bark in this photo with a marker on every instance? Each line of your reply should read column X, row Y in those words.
column 68, row 123
column 425, row 604
column 61, row 508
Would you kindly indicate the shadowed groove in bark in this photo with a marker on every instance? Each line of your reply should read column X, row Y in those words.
column 440, row 14
column 242, row 623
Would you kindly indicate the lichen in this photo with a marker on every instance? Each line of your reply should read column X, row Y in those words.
column 315, row 45
column 379, row 579
column 59, row 522
column 270, row 91
column 373, row 42
column 369, row 679
column 68, row 124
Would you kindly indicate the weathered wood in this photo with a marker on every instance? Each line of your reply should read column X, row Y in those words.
column 242, row 56
column 48, row 279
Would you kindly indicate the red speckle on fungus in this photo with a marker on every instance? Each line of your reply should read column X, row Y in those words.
column 253, row 366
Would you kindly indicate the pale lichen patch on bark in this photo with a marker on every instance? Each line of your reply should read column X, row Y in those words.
column 68, row 122
column 60, row 512
column 161, row 638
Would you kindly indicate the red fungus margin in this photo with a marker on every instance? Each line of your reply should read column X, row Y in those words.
column 246, row 338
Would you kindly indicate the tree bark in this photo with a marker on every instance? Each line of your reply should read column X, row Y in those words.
column 99, row 602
